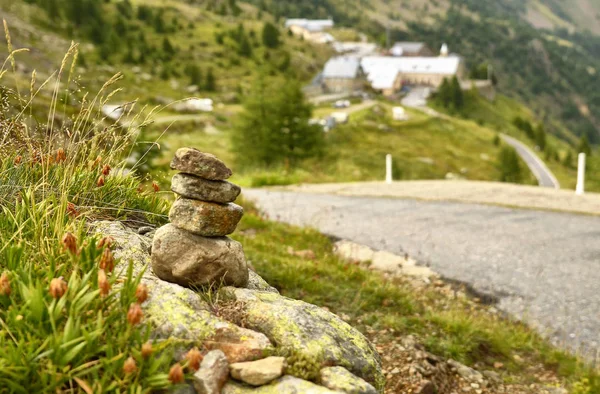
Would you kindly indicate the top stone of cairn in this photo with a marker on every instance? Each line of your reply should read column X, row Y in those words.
column 192, row 161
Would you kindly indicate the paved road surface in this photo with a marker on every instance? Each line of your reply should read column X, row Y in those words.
column 544, row 266
column 537, row 166
column 477, row 192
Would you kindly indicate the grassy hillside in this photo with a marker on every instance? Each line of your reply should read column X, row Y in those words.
column 553, row 71
column 500, row 115
column 162, row 48
column 423, row 147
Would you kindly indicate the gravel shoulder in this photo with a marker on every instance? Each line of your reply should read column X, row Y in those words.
column 541, row 266
column 489, row 193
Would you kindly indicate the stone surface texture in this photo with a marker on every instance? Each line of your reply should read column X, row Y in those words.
column 191, row 260
column 284, row 385
column 340, row 379
column 316, row 333
column 195, row 188
column 207, row 166
column 207, row 219
column 260, row 372
column 213, row 373
column 178, row 313
column 255, row 282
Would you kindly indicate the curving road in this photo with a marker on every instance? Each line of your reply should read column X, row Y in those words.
column 542, row 266
column 536, row 165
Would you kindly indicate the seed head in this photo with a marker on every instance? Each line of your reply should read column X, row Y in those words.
column 61, row 156
column 58, row 288
column 194, row 358
column 103, row 283
column 130, row 366
column 176, row 374
column 146, row 349
column 18, row 160
column 106, row 242
column 107, row 261
column 156, row 187
column 135, row 314
column 100, row 181
column 106, row 170
column 70, row 243
column 72, row 210
column 4, row 284
column 97, row 162
column 141, row 293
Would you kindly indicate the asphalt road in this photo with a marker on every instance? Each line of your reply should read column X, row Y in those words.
column 542, row 266
column 542, row 173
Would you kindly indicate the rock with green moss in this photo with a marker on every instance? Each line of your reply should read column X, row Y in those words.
column 340, row 379
column 178, row 313
column 315, row 337
column 284, row 385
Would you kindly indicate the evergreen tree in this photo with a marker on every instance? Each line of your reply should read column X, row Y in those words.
column 444, row 94
column 211, row 83
column 245, row 48
column 195, row 74
column 540, row 136
column 168, row 48
column 274, row 126
column 270, row 35
column 457, row 96
column 510, row 168
column 568, row 161
column 584, row 145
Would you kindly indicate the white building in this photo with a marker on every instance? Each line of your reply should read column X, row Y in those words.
column 389, row 73
column 311, row 29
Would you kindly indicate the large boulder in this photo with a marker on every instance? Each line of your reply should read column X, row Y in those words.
column 207, row 219
column 207, row 166
column 178, row 313
column 191, row 260
column 284, row 385
column 196, row 188
column 313, row 332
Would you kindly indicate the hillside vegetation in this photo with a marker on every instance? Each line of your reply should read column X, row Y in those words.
column 552, row 71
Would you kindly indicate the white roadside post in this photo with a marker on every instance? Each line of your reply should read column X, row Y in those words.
column 388, row 169
column 581, row 175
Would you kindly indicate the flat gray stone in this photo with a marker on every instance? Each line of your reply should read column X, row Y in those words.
column 213, row 373
column 340, row 379
column 204, row 165
column 260, row 372
column 284, row 385
column 197, row 188
column 207, row 219
column 191, row 260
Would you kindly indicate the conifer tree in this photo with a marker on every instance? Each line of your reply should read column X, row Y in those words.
column 270, row 35
column 584, row 145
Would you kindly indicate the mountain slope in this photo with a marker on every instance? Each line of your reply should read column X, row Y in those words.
column 553, row 71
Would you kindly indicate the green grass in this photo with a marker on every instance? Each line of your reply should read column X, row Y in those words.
column 423, row 148
column 450, row 328
column 62, row 327
column 499, row 115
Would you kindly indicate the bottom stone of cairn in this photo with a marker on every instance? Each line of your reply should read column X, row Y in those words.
column 192, row 260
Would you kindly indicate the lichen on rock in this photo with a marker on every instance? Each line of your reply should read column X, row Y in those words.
column 310, row 330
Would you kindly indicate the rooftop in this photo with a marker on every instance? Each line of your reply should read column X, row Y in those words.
column 415, row 65
column 342, row 67
column 310, row 24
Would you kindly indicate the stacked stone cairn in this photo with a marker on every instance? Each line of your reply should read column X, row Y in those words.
column 194, row 250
